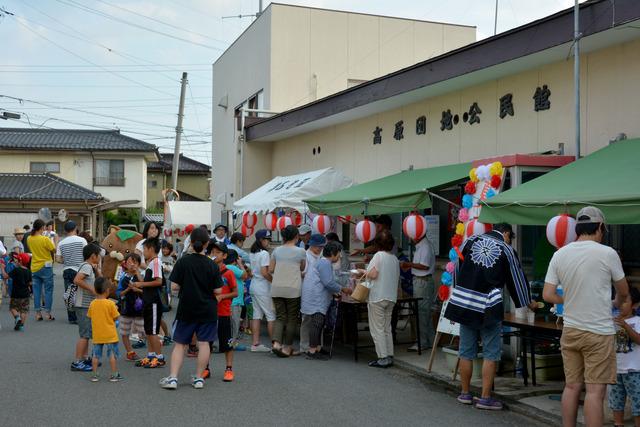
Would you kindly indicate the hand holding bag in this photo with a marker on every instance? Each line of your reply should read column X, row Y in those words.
column 361, row 291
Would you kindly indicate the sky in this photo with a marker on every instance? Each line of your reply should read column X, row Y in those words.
column 116, row 64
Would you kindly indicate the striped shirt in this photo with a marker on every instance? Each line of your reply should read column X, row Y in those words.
column 70, row 249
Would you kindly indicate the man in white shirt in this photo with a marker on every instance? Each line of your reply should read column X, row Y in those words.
column 422, row 268
column 69, row 253
column 586, row 269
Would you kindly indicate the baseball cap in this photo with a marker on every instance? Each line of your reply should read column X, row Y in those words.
column 263, row 234
column 221, row 246
column 24, row 258
column 589, row 215
column 304, row 229
column 220, row 225
column 317, row 240
column 69, row 226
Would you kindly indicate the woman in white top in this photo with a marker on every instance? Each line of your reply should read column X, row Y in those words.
column 383, row 273
column 260, row 289
column 151, row 231
column 287, row 264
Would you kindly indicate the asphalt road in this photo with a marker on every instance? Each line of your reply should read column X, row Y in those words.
column 38, row 389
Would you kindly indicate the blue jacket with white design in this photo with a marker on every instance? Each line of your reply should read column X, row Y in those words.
column 489, row 264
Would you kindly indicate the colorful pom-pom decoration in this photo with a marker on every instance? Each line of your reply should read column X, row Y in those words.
column 456, row 240
column 453, row 255
column 470, row 187
column 446, row 278
column 483, row 173
column 467, row 201
column 463, row 215
column 490, row 193
column 496, row 169
column 450, row 267
column 496, row 180
column 443, row 293
column 460, row 228
column 473, row 176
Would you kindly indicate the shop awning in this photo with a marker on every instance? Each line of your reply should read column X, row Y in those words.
column 402, row 192
column 606, row 179
column 180, row 214
column 290, row 191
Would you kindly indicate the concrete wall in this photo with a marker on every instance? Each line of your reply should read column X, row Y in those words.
column 610, row 105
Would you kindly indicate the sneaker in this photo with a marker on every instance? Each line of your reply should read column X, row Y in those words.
column 143, row 362
column 169, row 383
column 192, row 351
column 465, row 398
column 89, row 362
column 80, row 366
column 167, row 341
column 316, row 356
column 206, row 373
column 380, row 363
column 132, row 356
column 17, row 325
column 260, row 348
column 240, row 347
column 197, row 383
column 95, row 378
column 156, row 363
column 116, row 377
column 228, row 375
column 139, row 344
column 489, row 403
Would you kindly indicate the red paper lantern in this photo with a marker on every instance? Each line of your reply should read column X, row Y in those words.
column 470, row 188
column 496, row 180
column 365, row 231
column 561, row 230
column 167, row 233
column 250, row 219
column 296, row 217
column 414, row 226
column 270, row 221
column 456, row 240
column 283, row 222
column 443, row 293
column 345, row 219
column 321, row 224
column 475, row 228
column 246, row 231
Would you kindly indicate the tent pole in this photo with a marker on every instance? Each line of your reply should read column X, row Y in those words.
column 443, row 199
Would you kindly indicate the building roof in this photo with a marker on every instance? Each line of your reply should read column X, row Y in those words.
column 186, row 165
column 532, row 45
column 154, row 217
column 34, row 186
column 70, row 140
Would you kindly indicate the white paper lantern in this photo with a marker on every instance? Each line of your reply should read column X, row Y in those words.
column 366, row 231
column 321, row 224
column 246, row 231
column 283, row 222
column 250, row 219
column 561, row 230
column 296, row 217
column 270, row 221
column 475, row 228
column 414, row 226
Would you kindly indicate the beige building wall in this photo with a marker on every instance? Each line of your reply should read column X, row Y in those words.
column 196, row 185
column 610, row 105
column 297, row 55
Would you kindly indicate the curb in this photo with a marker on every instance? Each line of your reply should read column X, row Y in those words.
column 453, row 388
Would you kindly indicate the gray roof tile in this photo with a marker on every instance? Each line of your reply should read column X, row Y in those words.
column 186, row 164
column 34, row 186
column 70, row 140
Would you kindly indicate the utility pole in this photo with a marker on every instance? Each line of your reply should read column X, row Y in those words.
column 576, row 71
column 176, row 151
column 495, row 20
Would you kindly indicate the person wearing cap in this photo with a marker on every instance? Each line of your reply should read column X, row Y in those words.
column 17, row 246
column 287, row 264
column 487, row 264
column 260, row 290
column 317, row 242
column 220, row 233
column 69, row 254
column 586, row 269
column 304, row 233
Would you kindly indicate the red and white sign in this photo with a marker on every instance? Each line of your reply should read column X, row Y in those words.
column 270, row 221
column 365, row 231
column 322, row 224
column 414, row 226
column 561, row 230
column 283, row 222
column 475, row 228
column 249, row 219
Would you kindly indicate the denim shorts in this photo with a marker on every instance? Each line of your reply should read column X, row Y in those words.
column 112, row 349
column 491, row 343
column 626, row 385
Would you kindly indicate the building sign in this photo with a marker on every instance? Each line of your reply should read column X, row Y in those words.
column 421, row 125
column 541, row 98
column 433, row 232
column 398, row 133
column 446, row 122
column 377, row 135
column 506, row 106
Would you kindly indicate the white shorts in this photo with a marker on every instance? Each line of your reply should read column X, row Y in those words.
column 131, row 325
column 263, row 307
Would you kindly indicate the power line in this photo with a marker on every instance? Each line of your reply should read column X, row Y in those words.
column 105, row 66
column 88, row 71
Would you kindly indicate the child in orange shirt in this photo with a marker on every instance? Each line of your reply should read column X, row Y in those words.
column 103, row 314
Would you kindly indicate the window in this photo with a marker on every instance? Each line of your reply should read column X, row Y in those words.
column 109, row 173
column 152, row 184
column 45, row 167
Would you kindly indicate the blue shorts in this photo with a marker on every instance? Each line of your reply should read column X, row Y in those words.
column 204, row 331
column 112, row 349
column 626, row 385
column 491, row 344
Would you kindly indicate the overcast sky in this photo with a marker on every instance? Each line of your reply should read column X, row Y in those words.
column 117, row 63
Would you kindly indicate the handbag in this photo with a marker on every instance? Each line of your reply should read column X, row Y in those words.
column 361, row 291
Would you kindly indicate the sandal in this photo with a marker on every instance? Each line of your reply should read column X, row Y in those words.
column 278, row 352
column 38, row 316
column 50, row 318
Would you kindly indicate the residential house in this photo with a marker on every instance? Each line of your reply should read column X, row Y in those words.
column 194, row 180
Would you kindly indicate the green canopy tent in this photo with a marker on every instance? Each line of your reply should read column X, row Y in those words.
column 401, row 192
column 606, row 179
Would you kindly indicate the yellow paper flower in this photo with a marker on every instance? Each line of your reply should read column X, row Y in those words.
column 473, row 176
column 460, row 229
